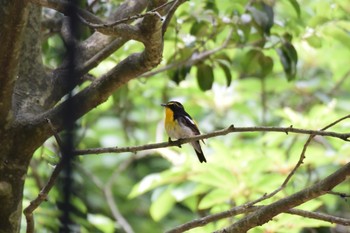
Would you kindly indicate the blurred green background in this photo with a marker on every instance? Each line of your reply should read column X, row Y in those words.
column 273, row 66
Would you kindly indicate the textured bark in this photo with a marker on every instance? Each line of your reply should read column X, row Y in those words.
column 32, row 82
column 28, row 93
column 13, row 16
column 12, row 20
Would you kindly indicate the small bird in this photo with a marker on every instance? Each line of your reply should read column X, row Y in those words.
column 179, row 124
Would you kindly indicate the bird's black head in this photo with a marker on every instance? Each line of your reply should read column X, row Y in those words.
column 174, row 105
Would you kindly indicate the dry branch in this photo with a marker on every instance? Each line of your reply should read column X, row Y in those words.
column 231, row 129
column 266, row 213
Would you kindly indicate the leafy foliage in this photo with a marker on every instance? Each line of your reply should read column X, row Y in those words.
column 244, row 83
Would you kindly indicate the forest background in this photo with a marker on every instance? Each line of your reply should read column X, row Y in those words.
column 274, row 75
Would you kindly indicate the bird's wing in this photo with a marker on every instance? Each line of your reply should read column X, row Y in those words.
column 187, row 121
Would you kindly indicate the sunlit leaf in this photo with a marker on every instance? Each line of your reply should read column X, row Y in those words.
column 215, row 197
column 162, row 204
column 155, row 180
column 314, row 41
column 296, row 6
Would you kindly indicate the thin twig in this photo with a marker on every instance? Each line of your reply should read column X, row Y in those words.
column 106, row 189
column 127, row 19
column 242, row 225
column 339, row 84
column 244, row 209
column 298, row 164
column 170, row 14
column 193, row 59
column 42, row 196
column 320, row 216
column 251, row 205
column 55, row 134
column 342, row 195
column 266, row 213
column 213, row 217
column 231, row 129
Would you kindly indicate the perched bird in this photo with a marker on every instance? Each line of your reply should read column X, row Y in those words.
column 179, row 124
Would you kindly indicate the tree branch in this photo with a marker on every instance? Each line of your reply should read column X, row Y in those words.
column 248, row 209
column 170, row 13
column 250, row 205
column 100, row 89
column 63, row 6
column 194, row 59
column 93, row 50
column 320, row 216
column 231, row 129
column 211, row 218
column 266, row 213
column 107, row 187
column 42, row 196
column 126, row 19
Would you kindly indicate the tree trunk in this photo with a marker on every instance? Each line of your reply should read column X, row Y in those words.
column 26, row 91
column 17, row 142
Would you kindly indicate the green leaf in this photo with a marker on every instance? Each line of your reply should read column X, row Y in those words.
column 296, row 6
column 256, row 64
column 249, row 62
column 215, row 197
column 266, row 64
column 225, row 64
column 314, row 41
column 227, row 72
column 211, row 4
column 199, row 29
column 289, row 59
column 263, row 15
column 157, row 179
column 338, row 34
column 164, row 201
column 180, row 74
column 205, row 77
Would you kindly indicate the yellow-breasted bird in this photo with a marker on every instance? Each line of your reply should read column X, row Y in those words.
column 179, row 124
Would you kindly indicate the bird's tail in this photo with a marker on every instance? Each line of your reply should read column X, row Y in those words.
column 199, row 152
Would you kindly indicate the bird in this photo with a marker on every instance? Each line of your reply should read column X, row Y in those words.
column 179, row 124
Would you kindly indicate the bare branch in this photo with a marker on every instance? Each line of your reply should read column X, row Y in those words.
column 63, row 6
column 248, row 209
column 342, row 195
column 106, row 189
column 320, row 216
column 124, row 20
column 42, row 196
column 170, row 14
column 100, row 55
column 266, row 213
column 228, row 130
column 211, row 218
column 194, row 59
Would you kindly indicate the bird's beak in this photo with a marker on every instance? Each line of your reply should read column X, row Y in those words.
column 164, row 105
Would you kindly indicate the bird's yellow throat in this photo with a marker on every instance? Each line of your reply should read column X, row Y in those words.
column 169, row 115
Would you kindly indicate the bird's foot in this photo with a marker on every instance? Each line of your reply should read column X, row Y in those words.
column 171, row 141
